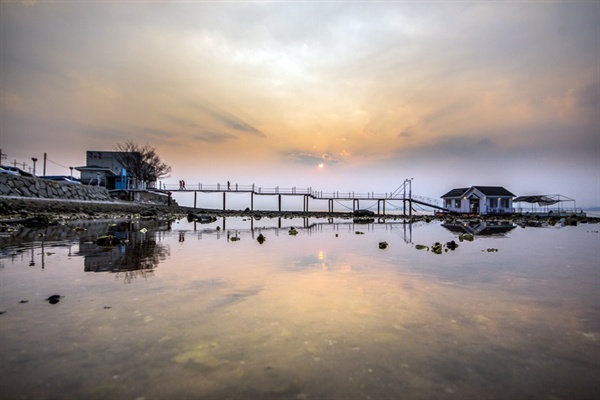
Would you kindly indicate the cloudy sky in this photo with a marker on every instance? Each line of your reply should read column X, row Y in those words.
column 330, row 94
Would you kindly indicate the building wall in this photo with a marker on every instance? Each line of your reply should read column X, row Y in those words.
column 487, row 205
column 22, row 186
column 106, row 159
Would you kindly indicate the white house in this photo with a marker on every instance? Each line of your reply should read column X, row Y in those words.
column 481, row 200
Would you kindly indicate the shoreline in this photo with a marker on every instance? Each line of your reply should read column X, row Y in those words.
column 16, row 209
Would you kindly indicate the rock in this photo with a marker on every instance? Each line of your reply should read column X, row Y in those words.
column 55, row 298
column 261, row 238
column 363, row 213
column 421, row 247
column 383, row 245
column 452, row 245
column 437, row 248
column 203, row 218
column 466, row 236
column 39, row 221
column 149, row 213
column 293, row 231
column 107, row 241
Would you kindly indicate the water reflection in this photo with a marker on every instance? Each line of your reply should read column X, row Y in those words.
column 137, row 255
column 324, row 314
column 481, row 228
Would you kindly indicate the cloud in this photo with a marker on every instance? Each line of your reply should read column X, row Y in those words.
column 237, row 124
column 310, row 159
column 387, row 84
column 214, row 137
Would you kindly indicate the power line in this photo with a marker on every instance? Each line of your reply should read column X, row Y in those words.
column 53, row 162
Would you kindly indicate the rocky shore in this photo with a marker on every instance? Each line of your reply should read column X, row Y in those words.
column 23, row 210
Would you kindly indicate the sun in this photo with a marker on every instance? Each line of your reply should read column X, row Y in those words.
column 321, row 165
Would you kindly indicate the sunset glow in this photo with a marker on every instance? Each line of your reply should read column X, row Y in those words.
column 453, row 94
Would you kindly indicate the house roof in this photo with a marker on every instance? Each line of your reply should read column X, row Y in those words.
column 487, row 190
column 456, row 192
column 95, row 168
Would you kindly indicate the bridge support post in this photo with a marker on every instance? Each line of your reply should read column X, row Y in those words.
column 224, row 196
column 330, row 208
column 195, row 195
column 279, row 203
column 382, row 202
column 355, row 204
column 252, row 200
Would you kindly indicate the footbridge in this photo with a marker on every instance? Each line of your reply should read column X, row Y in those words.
column 400, row 199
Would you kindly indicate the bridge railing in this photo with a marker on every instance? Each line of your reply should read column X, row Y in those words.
column 429, row 200
column 354, row 195
column 234, row 187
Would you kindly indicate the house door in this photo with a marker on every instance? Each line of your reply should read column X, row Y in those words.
column 474, row 206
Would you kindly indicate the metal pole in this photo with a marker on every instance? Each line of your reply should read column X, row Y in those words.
column 45, row 157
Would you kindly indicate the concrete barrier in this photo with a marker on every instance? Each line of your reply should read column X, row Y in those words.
column 22, row 186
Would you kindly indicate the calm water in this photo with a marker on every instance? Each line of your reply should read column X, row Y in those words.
column 185, row 312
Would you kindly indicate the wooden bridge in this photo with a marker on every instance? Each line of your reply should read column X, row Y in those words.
column 401, row 195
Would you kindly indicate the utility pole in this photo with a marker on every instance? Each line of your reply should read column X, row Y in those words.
column 34, row 161
column 45, row 166
column 2, row 156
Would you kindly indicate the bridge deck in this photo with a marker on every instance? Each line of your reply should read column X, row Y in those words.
column 308, row 193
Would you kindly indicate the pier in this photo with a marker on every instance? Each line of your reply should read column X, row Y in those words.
column 401, row 196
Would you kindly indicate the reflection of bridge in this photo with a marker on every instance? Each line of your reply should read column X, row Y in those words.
column 403, row 195
column 281, row 225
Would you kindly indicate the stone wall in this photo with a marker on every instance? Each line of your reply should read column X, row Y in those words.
column 22, row 186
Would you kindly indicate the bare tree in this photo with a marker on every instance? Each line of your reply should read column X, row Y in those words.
column 142, row 163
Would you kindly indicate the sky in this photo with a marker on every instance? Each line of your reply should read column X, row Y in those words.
column 333, row 95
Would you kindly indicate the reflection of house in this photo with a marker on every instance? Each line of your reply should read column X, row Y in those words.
column 479, row 200
column 103, row 168
column 480, row 227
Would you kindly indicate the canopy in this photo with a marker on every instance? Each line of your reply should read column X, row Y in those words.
column 542, row 200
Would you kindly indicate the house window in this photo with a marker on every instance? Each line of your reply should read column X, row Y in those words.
column 457, row 203
column 448, row 203
column 493, row 202
column 504, row 203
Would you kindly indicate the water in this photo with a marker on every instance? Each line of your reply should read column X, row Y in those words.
column 184, row 312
